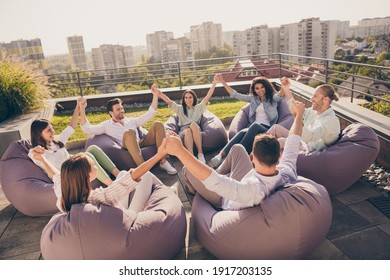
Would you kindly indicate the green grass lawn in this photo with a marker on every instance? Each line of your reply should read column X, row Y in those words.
column 222, row 108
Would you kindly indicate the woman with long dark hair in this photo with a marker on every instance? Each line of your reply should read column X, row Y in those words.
column 189, row 114
column 44, row 141
column 263, row 113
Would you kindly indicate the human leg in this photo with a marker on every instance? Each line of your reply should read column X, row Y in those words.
column 217, row 160
column 237, row 163
column 103, row 159
column 101, row 175
column 188, row 140
column 130, row 143
column 253, row 130
column 278, row 131
column 197, row 136
column 142, row 193
column 212, row 197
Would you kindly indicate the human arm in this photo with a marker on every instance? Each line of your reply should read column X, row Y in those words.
column 154, row 103
column 86, row 127
column 297, row 110
column 139, row 171
column 210, row 92
column 175, row 147
column 75, row 116
column 37, row 155
column 219, row 78
column 285, row 88
column 160, row 94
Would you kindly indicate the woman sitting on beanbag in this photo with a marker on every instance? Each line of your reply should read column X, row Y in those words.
column 189, row 114
column 263, row 113
column 73, row 184
column 44, row 141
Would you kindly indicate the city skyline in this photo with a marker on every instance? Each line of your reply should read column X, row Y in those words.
column 120, row 22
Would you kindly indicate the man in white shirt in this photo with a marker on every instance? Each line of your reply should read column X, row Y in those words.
column 236, row 184
column 125, row 130
column 321, row 127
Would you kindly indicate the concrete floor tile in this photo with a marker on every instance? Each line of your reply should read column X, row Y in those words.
column 368, row 244
column 326, row 251
column 369, row 212
column 385, row 227
column 358, row 192
column 345, row 220
column 22, row 236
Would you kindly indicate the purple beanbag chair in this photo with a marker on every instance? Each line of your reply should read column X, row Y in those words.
column 25, row 184
column 120, row 156
column 343, row 163
column 289, row 224
column 109, row 233
column 213, row 131
column 241, row 119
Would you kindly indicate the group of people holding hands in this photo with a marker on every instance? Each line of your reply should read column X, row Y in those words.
column 255, row 161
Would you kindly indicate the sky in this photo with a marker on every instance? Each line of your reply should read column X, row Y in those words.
column 126, row 22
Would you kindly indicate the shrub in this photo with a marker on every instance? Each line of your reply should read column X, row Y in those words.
column 23, row 87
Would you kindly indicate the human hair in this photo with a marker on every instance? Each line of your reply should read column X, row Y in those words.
column 37, row 126
column 183, row 103
column 266, row 149
column 75, row 185
column 328, row 91
column 269, row 88
column 113, row 102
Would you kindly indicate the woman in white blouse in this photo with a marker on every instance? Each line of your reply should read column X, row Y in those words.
column 44, row 140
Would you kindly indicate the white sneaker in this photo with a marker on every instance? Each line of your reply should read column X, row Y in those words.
column 201, row 158
column 216, row 161
column 168, row 168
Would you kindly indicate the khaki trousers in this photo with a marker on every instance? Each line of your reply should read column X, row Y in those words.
column 155, row 136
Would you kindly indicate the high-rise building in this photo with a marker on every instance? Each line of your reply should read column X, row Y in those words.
column 112, row 56
column 26, row 50
column 205, row 36
column 154, row 42
column 176, row 50
column 78, row 59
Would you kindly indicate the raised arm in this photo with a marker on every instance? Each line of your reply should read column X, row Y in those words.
column 154, row 100
column 285, row 88
column 210, row 92
column 298, row 109
column 218, row 77
column 175, row 147
column 140, row 170
column 75, row 116
column 156, row 90
column 82, row 104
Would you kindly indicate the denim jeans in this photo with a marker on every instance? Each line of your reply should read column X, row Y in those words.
column 246, row 137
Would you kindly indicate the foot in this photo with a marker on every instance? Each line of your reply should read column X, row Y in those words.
column 201, row 158
column 168, row 168
column 216, row 161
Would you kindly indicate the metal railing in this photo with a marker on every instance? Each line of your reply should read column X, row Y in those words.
column 349, row 78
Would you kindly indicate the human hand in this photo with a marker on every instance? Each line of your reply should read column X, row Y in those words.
column 155, row 90
column 162, row 151
column 38, row 153
column 297, row 108
column 285, row 83
column 173, row 144
column 82, row 103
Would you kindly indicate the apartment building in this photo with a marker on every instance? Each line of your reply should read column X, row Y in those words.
column 205, row 36
column 369, row 27
column 78, row 59
column 111, row 61
column 176, row 50
column 154, row 42
column 26, row 50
